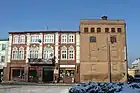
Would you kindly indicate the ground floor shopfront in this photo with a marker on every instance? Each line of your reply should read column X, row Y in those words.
column 46, row 73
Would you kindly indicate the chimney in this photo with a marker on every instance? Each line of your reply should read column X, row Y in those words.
column 104, row 17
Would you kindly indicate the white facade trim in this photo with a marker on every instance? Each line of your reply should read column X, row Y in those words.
column 56, row 46
column 40, row 45
column 9, row 48
column 28, row 47
column 77, row 48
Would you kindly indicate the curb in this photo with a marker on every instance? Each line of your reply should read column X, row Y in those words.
column 35, row 84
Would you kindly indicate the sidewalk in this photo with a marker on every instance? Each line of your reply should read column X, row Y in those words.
column 36, row 84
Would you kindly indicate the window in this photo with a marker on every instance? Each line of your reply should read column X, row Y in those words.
column 22, row 39
column 17, row 73
column 113, row 39
column 2, row 58
column 113, row 30
column 21, row 53
column 86, row 30
column 71, row 38
column 92, row 39
column 92, row 30
column 119, row 30
column 64, row 38
column 107, row 30
column 34, row 52
column 71, row 53
column 35, row 39
column 3, row 47
column 49, row 38
column 15, row 39
column 48, row 52
column 15, row 53
column 63, row 53
column 98, row 30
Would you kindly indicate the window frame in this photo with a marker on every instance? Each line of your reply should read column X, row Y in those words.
column 113, row 30
column 21, row 53
column 34, row 38
column 92, row 30
column 15, row 53
column 64, row 38
column 16, row 39
column 34, row 52
column 113, row 39
column 119, row 30
column 90, row 39
column 86, row 29
column 2, row 60
column 106, row 30
column 22, row 39
column 71, row 48
column 47, row 52
column 49, row 38
column 63, row 52
column 71, row 38
column 98, row 30
column 3, row 48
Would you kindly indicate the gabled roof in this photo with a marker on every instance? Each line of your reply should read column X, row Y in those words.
column 136, row 61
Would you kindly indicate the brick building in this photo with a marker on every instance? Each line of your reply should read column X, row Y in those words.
column 98, row 52
column 103, row 55
column 43, row 56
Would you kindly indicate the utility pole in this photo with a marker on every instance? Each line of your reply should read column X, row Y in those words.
column 109, row 61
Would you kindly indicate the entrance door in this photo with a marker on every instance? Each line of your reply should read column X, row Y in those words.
column 47, row 75
column 32, row 76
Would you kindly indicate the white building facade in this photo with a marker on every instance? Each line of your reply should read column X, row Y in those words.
column 3, row 53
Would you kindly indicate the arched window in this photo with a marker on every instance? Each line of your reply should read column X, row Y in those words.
column 64, row 38
column 21, row 53
column 71, row 53
column 48, row 52
column 15, row 53
column 34, row 52
column 64, row 53
column 98, row 29
column 16, row 39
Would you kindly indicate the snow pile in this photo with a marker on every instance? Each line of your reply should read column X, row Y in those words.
column 105, row 88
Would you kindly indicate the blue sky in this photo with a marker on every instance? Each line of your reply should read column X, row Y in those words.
column 21, row 15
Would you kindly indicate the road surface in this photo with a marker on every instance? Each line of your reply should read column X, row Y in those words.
column 34, row 89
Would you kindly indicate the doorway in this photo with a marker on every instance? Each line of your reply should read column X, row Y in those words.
column 32, row 76
column 47, row 75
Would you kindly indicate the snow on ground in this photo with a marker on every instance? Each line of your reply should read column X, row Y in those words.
column 106, row 88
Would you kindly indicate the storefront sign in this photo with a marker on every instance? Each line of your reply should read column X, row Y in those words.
column 67, row 66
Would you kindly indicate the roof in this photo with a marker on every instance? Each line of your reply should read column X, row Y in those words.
column 45, row 31
column 136, row 61
column 4, row 39
column 108, row 22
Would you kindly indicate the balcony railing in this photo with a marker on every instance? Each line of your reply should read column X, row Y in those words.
column 41, row 61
